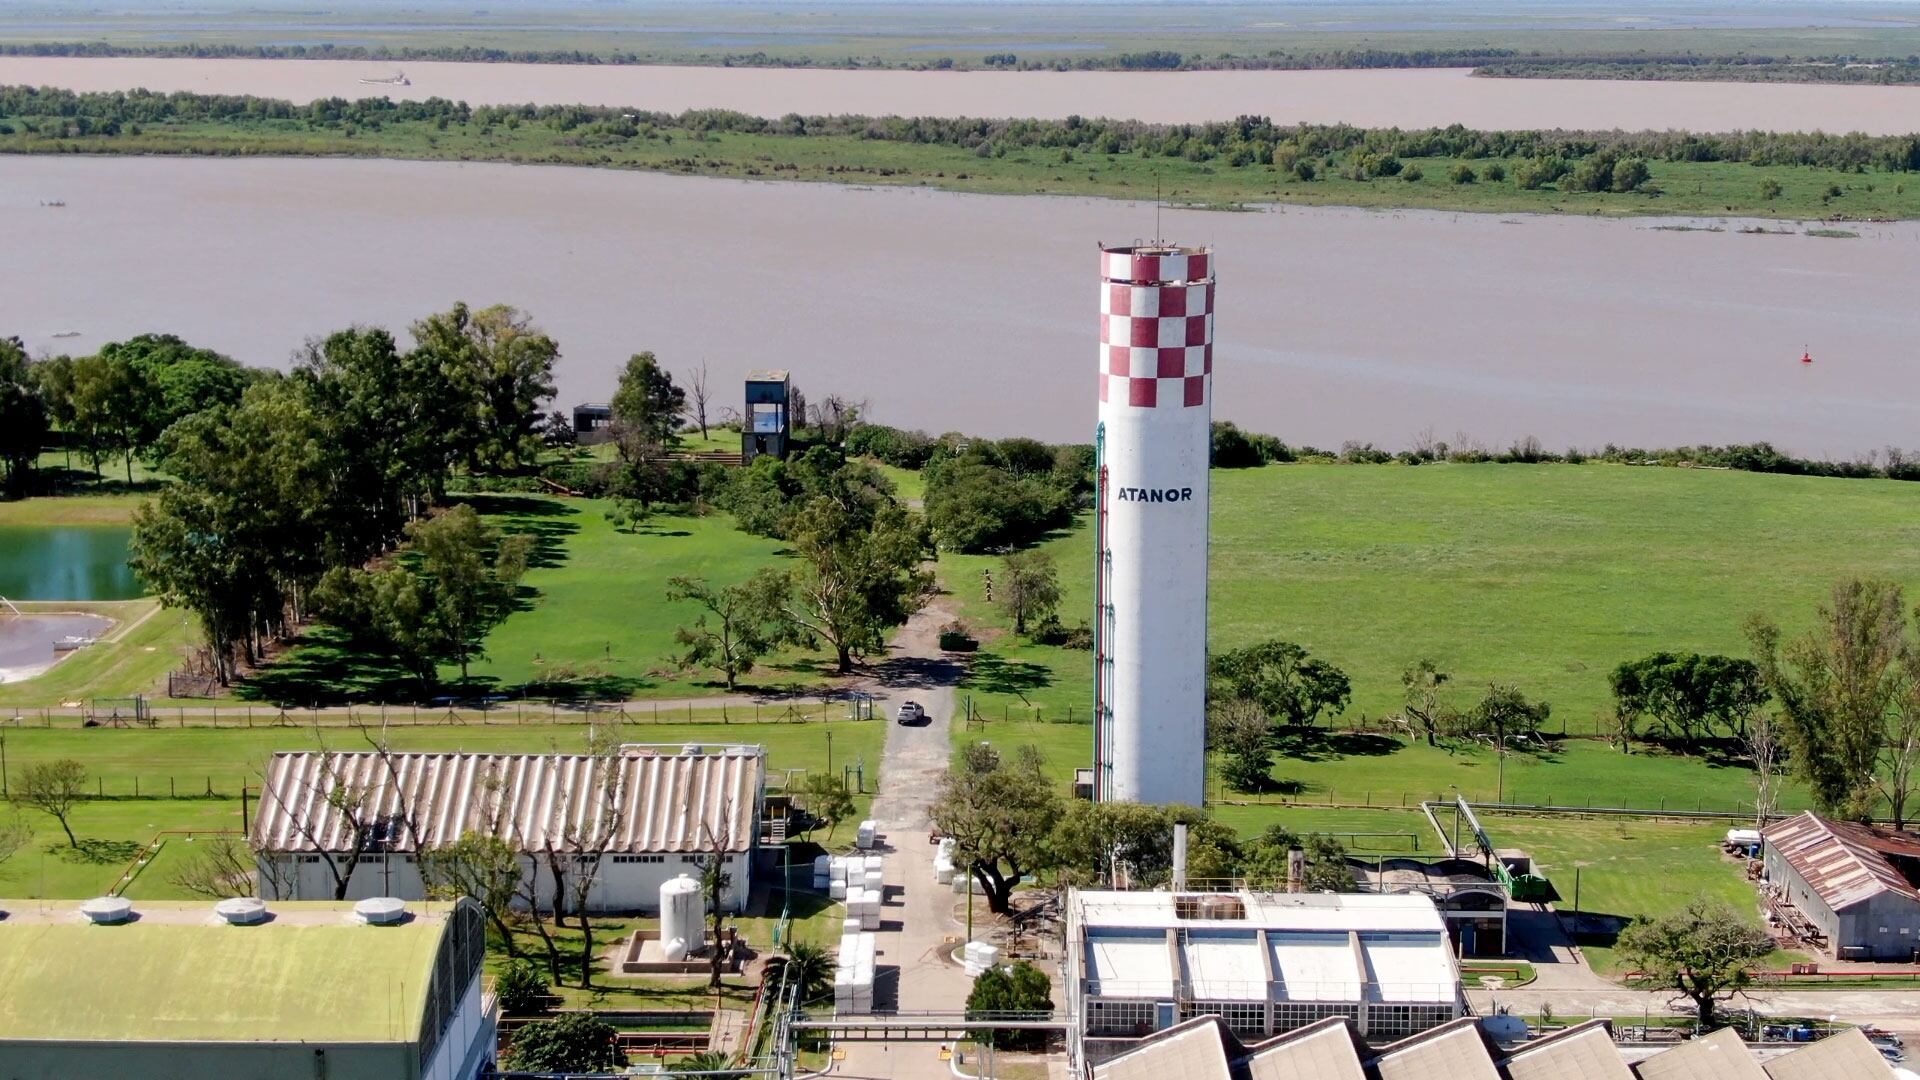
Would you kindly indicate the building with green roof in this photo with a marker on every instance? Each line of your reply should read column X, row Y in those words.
column 191, row 990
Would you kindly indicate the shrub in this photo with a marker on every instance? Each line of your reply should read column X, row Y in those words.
column 1462, row 174
column 1412, row 174
column 574, row 1043
column 521, row 990
column 1769, row 189
column 1494, row 172
column 1303, row 169
column 1019, row 988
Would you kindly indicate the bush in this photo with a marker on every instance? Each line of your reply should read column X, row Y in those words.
column 574, row 1043
column 1303, row 169
column 974, row 506
column 1494, row 172
column 1412, row 174
column 901, row 449
column 1020, row 988
column 1462, row 174
column 521, row 989
column 1769, row 189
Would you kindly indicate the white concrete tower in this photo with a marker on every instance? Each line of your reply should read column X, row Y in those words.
column 1156, row 413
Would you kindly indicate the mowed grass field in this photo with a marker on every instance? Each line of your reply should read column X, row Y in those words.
column 191, row 761
column 1545, row 576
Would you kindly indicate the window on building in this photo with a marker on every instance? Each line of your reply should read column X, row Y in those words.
column 691, row 860
column 1119, row 1017
column 639, row 858
column 1242, row 1017
column 1288, row 1015
column 1399, row 1021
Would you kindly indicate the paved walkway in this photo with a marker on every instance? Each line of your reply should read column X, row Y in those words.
column 917, row 928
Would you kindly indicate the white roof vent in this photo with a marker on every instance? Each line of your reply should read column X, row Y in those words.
column 380, row 910
column 107, row 910
column 241, row 910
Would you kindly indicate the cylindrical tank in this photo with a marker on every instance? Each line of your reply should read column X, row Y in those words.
column 681, row 912
column 1151, row 503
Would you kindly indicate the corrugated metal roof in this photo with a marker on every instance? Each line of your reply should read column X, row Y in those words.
column 637, row 801
column 1845, row 1056
column 1453, row 1051
column 1717, row 1056
column 1840, row 861
column 1189, row 1051
column 1323, row 1050
column 1582, row 1052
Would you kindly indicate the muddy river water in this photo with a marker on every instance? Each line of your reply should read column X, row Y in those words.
column 978, row 313
column 1417, row 98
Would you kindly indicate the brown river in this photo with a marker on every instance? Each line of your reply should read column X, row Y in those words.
column 1369, row 98
column 979, row 313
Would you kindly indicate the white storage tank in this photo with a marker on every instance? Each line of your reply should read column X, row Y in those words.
column 682, row 911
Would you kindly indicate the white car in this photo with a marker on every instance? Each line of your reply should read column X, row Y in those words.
column 910, row 713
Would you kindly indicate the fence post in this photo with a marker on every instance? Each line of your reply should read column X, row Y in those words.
column 171, row 793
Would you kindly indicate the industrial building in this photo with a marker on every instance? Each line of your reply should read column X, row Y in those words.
column 1850, row 888
column 1152, row 451
column 243, row 991
column 1471, row 899
column 1141, row 962
column 1332, row 1049
column 632, row 820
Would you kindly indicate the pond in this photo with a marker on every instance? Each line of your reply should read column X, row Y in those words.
column 30, row 644
column 66, row 563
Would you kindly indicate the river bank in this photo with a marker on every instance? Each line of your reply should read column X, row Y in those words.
column 1334, row 324
column 1382, row 98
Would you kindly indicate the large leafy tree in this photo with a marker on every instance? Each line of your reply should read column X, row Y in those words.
column 175, row 381
column 500, row 367
column 1289, row 685
column 113, row 406
column 737, row 624
column 1848, row 693
column 647, row 405
column 575, row 1042
column 1029, row 588
column 1424, row 708
column 23, row 417
column 1688, row 695
column 1020, row 988
column 1705, row 951
column 1000, row 815
column 1505, row 713
column 855, row 581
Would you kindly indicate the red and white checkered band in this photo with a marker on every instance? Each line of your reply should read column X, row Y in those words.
column 1162, row 265
column 1156, row 339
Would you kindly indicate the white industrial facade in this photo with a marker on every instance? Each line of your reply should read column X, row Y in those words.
column 1151, row 503
column 633, row 821
column 1265, row 963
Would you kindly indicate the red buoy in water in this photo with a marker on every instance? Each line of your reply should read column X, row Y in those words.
column 1806, row 357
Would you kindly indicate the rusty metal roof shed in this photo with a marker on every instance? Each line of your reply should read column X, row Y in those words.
column 641, row 800
column 1843, row 862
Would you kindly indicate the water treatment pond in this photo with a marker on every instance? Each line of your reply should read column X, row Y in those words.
column 30, row 644
column 66, row 563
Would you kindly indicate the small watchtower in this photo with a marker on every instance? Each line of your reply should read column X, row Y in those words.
column 765, row 426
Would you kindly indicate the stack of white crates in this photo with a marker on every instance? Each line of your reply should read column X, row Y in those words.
column 980, row 956
column 823, row 872
column 869, row 833
column 837, row 877
column 853, row 978
column 943, row 862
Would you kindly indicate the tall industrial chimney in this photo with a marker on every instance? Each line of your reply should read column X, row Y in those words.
column 1150, row 592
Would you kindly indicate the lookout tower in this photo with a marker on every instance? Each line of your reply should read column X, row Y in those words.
column 764, row 426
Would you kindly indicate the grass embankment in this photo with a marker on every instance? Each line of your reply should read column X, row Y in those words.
column 1685, row 187
column 1542, row 576
column 191, row 762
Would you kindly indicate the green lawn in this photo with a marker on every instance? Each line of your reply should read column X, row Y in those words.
column 1544, row 576
column 116, row 509
column 147, row 642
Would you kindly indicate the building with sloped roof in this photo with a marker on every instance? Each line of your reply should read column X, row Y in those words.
column 1857, row 885
column 1205, row 1049
column 620, row 824
column 178, row 991
column 1141, row 962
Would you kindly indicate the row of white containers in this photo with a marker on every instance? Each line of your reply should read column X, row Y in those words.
column 853, row 977
column 868, row 834
column 943, row 862
column 839, row 875
column 979, row 957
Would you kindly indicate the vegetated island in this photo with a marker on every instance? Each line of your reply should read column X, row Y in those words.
column 1888, row 60
column 1217, row 165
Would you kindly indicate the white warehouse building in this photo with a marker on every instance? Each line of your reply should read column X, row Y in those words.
column 1264, row 963
column 630, row 821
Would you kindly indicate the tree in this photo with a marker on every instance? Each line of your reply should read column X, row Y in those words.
column 1019, row 988
column 697, row 396
column 1265, row 865
column 499, row 368
column 1110, row 843
column 557, row 430
column 1849, row 699
column 520, row 989
column 974, row 505
column 709, row 1065
column 1763, row 754
column 1688, row 694
column 55, row 377
column 1704, row 951
column 1505, row 714
column 23, row 418
column 480, row 865
column 575, row 1042
column 1000, row 815
column 219, row 868
column 53, row 788
column 746, row 622
column 807, row 967
column 1630, row 174
column 1422, row 708
column 112, row 405
column 826, row 797
column 1237, row 728
column 15, row 835
column 469, row 591
column 647, row 405
column 1289, row 686
column 1029, row 588
column 854, row 582
column 175, row 380
column 714, row 883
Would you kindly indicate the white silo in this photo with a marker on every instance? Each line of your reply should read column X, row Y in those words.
column 681, row 913
column 1150, row 593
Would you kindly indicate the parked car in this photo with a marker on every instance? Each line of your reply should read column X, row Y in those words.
column 910, row 713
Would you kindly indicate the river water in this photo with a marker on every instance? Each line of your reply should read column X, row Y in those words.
column 979, row 313
column 1419, row 98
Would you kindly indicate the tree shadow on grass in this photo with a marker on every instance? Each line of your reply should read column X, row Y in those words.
column 545, row 520
column 325, row 667
column 94, row 851
column 992, row 674
column 1317, row 744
